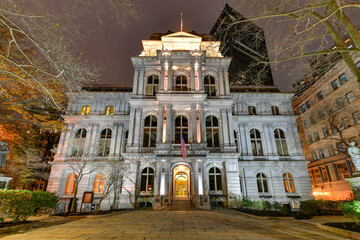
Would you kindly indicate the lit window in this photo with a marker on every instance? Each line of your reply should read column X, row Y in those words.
column 105, row 141
column 181, row 125
column 147, row 179
column 256, row 144
column 262, row 183
column 209, row 85
column 70, row 184
column 350, row 97
column 251, row 110
column 152, row 85
column 342, row 78
column 275, row 110
column 320, row 95
column 85, row 110
column 181, row 83
column 335, row 84
column 150, row 126
column 212, row 131
column 109, row 110
column 288, row 183
column 281, row 142
column 215, row 183
column 99, row 183
column 79, row 142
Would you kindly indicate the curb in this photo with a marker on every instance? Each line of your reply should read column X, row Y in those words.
column 261, row 217
column 339, row 231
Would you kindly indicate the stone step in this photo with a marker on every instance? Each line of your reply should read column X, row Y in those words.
column 181, row 205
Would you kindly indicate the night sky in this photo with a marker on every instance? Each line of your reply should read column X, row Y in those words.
column 112, row 48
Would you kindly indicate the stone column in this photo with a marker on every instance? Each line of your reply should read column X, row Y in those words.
column 118, row 139
column 221, row 81
column 136, row 78
column 92, row 141
column 225, row 127
column 137, row 127
column 231, row 129
column 227, row 84
column 114, row 134
column 66, row 140
column 202, row 124
column 192, row 76
column 157, row 179
column 170, row 77
column 193, row 125
column 200, row 79
column 131, row 126
column 141, row 81
column 266, row 141
column 169, row 123
column 162, row 76
column 196, row 182
column 160, row 122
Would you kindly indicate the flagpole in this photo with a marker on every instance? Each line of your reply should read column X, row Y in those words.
column 182, row 23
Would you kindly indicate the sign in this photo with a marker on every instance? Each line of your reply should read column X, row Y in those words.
column 88, row 197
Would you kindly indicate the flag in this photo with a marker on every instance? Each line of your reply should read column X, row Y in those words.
column 183, row 148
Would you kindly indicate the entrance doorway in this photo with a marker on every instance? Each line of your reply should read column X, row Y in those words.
column 181, row 188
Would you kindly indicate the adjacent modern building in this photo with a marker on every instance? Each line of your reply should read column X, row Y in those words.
column 328, row 121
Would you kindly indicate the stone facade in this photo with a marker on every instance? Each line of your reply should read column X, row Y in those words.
column 239, row 144
column 328, row 120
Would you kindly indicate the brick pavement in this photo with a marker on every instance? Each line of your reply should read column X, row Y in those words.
column 224, row 224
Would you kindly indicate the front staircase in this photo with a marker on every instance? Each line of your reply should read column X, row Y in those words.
column 181, row 205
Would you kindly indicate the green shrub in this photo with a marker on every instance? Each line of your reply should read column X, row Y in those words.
column 351, row 210
column 266, row 205
column 276, row 206
column 247, row 203
column 18, row 205
column 309, row 207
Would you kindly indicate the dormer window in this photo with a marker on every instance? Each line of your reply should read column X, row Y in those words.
column 152, row 85
column 251, row 110
column 209, row 85
column 109, row 110
column 181, row 83
column 85, row 110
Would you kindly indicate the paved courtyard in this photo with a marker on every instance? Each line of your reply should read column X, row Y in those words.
column 225, row 224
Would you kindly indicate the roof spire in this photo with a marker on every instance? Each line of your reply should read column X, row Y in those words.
column 182, row 23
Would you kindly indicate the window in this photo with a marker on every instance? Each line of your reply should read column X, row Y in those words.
column 181, row 83
column 356, row 117
column 316, row 137
column 310, row 139
column 209, row 85
column 350, row 97
column 326, row 132
column 181, row 125
column 320, row 95
column 330, row 150
column 262, row 183
column 99, row 183
column 302, row 108
column 256, row 144
column 79, row 142
column 335, row 84
column 85, row 110
column 281, row 142
column 358, row 64
column 318, row 178
column 312, row 120
column 340, row 102
column 215, row 183
column 212, row 131
column 105, row 141
column 325, row 174
column 343, row 171
column 307, row 104
column 314, row 156
column 321, row 114
column 236, row 140
column 289, row 183
column 321, row 154
column 342, row 78
column 126, row 136
column 147, row 179
column 70, row 184
column 109, row 110
column 251, row 110
column 346, row 122
column 275, row 110
column 306, row 124
column 150, row 126
column 152, row 85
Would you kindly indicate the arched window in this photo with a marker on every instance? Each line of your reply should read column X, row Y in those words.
column 281, row 142
column 126, row 137
column 262, row 183
column 181, row 83
column 181, row 125
column 109, row 110
column 289, row 183
column 256, row 144
column 105, row 141
column 150, row 125
column 79, row 142
column 275, row 110
column 212, row 131
column 147, row 179
column 85, row 110
column 236, row 141
column 215, row 183
column 251, row 110
column 209, row 85
column 152, row 85
column 99, row 183
column 70, row 184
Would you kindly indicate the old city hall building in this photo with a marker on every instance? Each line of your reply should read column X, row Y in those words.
column 239, row 143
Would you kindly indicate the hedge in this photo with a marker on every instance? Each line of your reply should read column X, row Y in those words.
column 319, row 207
column 18, row 205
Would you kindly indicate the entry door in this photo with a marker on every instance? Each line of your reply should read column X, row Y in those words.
column 181, row 186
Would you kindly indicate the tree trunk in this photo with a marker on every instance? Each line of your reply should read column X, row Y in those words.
column 98, row 206
column 74, row 199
